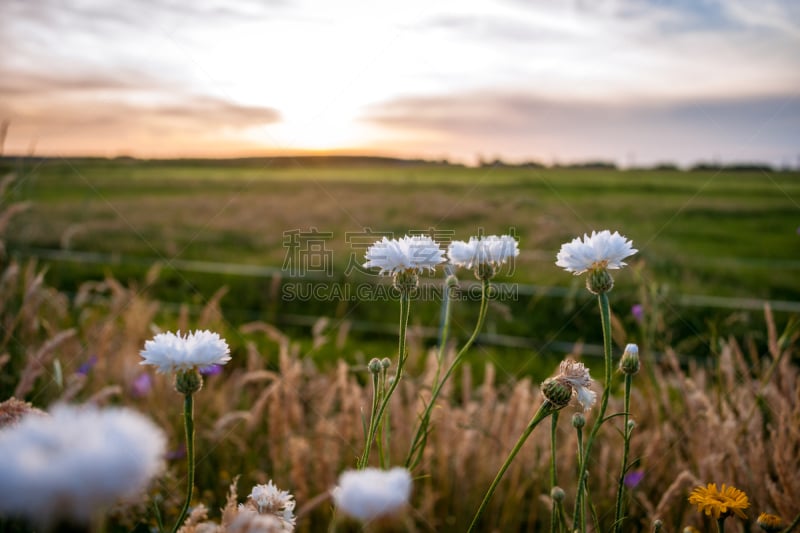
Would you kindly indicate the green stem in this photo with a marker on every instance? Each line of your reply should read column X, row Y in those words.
column 553, row 471
column 401, row 360
column 188, row 421
column 545, row 409
column 375, row 399
column 579, row 494
column 420, row 437
column 562, row 518
column 721, row 524
column 157, row 512
column 626, row 432
column 579, row 514
column 791, row 526
column 593, row 509
column 444, row 327
column 444, row 332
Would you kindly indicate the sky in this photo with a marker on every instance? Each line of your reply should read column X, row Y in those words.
column 635, row 82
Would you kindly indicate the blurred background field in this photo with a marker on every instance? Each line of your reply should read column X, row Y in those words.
column 714, row 243
column 99, row 255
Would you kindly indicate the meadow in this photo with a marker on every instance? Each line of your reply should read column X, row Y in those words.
column 702, row 236
column 104, row 252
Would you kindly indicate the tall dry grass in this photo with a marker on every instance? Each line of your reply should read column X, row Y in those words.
column 274, row 414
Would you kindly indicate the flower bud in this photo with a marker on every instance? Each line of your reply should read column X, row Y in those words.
column 451, row 281
column 188, row 381
column 631, row 425
column 375, row 365
column 599, row 281
column 578, row 420
column 629, row 363
column 406, row 281
column 657, row 525
column 557, row 493
column 386, row 363
column 556, row 392
column 769, row 522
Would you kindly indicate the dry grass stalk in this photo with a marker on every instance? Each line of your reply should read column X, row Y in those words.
column 274, row 415
column 37, row 362
column 12, row 411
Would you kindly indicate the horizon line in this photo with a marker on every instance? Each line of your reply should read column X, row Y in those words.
column 499, row 161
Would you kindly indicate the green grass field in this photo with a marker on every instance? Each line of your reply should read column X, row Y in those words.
column 105, row 254
column 711, row 233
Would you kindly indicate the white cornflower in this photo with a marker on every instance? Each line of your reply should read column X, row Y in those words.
column 76, row 462
column 601, row 251
column 371, row 493
column 269, row 499
column 169, row 352
column 409, row 254
column 576, row 375
column 491, row 250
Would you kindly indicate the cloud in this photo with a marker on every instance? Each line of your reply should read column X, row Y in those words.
column 518, row 125
column 111, row 16
column 494, row 27
column 94, row 77
column 620, row 48
column 156, row 124
column 777, row 16
column 21, row 83
column 540, row 75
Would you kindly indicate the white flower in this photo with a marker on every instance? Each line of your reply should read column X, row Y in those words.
column 370, row 493
column 491, row 250
column 169, row 352
column 576, row 375
column 269, row 499
column 414, row 253
column 76, row 462
column 600, row 251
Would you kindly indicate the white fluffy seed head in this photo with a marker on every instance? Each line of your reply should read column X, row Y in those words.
column 76, row 462
column 371, row 493
column 576, row 375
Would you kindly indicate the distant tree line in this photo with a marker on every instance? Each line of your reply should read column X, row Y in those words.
column 350, row 161
column 609, row 165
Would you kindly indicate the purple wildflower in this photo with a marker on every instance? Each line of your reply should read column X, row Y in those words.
column 633, row 478
column 637, row 310
column 141, row 385
column 87, row 366
column 211, row 370
column 174, row 455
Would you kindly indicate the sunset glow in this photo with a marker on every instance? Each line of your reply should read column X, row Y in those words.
column 632, row 82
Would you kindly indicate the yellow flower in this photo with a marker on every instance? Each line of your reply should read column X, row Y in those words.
column 769, row 522
column 719, row 503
